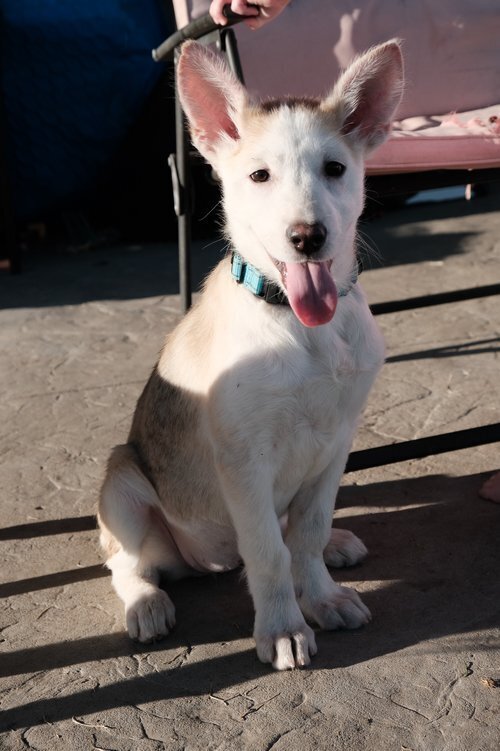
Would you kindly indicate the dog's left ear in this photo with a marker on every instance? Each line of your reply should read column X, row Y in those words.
column 366, row 96
column 211, row 96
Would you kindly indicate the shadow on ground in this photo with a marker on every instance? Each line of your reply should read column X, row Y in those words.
column 123, row 272
column 387, row 234
column 52, row 278
column 432, row 572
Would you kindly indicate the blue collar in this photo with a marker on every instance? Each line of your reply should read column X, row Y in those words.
column 252, row 279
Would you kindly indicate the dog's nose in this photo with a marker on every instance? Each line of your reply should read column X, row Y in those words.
column 307, row 238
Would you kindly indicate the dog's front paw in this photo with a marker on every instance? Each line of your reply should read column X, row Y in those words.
column 344, row 549
column 150, row 617
column 343, row 608
column 287, row 649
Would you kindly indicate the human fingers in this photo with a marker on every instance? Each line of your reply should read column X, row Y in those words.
column 242, row 7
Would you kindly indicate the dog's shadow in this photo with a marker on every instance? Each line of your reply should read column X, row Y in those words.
column 432, row 572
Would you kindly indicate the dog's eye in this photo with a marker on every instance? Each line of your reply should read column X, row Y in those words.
column 334, row 169
column 260, row 176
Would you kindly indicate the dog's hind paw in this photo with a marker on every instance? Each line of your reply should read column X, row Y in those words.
column 287, row 650
column 344, row 549
column 342, row 609
column 150, row 617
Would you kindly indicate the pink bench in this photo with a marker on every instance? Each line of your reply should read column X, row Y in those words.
column 450, row 114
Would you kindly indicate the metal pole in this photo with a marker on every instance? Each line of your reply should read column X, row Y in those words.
column 184, row 201
column 229, row 45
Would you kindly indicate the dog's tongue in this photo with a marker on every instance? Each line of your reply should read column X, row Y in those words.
column 311, row 291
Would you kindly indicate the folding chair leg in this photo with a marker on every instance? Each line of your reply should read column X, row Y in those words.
column 180, row 170
column 179, row 167
column 229, row 46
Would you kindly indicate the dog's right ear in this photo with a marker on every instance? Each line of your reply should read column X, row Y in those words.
column 211, row 96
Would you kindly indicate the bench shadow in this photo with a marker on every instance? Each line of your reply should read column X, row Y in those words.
column 121, row 272
column 68, row 525
column 420, row 245
column 464, row 349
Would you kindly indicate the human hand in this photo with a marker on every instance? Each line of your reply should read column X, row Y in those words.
column 258, row 12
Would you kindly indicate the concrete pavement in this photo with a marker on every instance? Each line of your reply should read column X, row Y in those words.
column 78, row 337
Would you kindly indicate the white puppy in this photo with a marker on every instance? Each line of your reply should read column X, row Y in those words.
column 249, row 415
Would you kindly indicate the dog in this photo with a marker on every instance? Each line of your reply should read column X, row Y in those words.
column 241, row 435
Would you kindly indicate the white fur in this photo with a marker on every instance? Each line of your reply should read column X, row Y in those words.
column 273, row 404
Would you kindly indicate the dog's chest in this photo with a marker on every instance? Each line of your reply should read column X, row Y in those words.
column 316, row 431
column 309, row 419
column 297, row 407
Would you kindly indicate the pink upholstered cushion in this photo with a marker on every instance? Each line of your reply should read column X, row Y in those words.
column 451, row 48
column 452, row 61
column 464, row 140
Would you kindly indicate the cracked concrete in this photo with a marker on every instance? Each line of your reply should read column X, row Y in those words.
column 78, row 337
